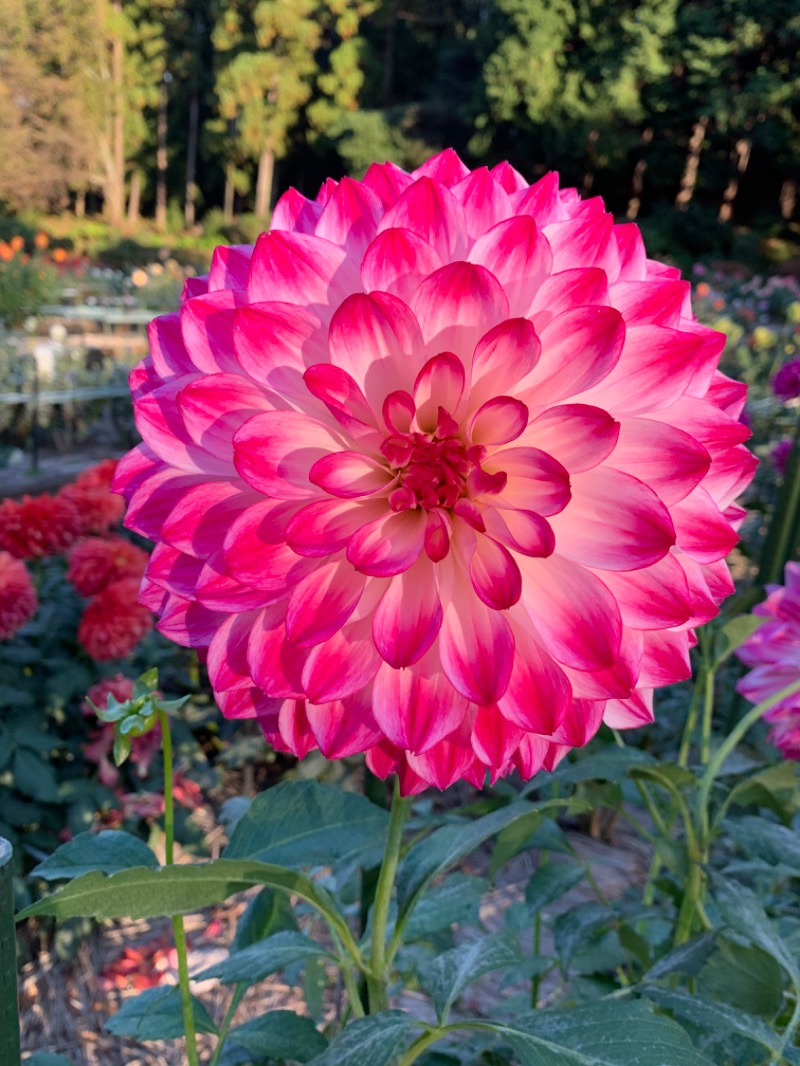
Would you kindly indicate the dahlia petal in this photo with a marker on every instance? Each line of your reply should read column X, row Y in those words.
column 538, row 691
column 344, row 727
column 613, row 522
column 655, row 597
column 385, row 759
column 376, row 340
column 579, row 437
column 431, row 211
column 343, row 398
column 167, row 350
column 230, row 267
column 161, row 426
column 665, row 658
column 456, row 305
column 664, row 457
column 498, row 421
column 301, row 269
column 197, row 524
column 342, row 665
column 437, row 535
column 323, row 527
column 495, row 576
column 536, row 481
column 397, row 261
column 322, row 602
column 197, row 286
column 295, row 213
column 409, row 616
column 701, row 529
column 729, row 474
column 574, row 614
column 151, row 501
column 494, row 738
column 226, row 661
column 518, row 255
column 275, row 451
column 476, row 646
column 708, row 425
column 398, row 411
column 350, row 217
column 275, row 343
column 295, row 729
column 579, row 349
column 388, row 545
column 417, row 706
column 189, row 624
column 630, row 713
column 440, row 383
column 213, row 408
column 275, row 665
column 617, row 681
column 387, row 180
column 207, row 327
column 657, row 302
column 485, row 203
column 503, row 357
column 508, row 178
column 580, row 723
column 540, row 200
column 566, row 290
column 444, row 167
column 585, row 240
column 246, row 701
column 532, row 754
column 350, row 474
column 449, row 761
column 522, row 531
column 221, row 592
column 256, row 551
column 174, row 571
column 632, row 256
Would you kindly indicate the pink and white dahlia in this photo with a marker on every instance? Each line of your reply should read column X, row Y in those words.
column 773, row 653
column 441, row 470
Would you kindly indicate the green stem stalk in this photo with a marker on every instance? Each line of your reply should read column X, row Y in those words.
column 689, row 728
column 709, row 677
column 179, row 934
column 9, row 1007
column 422, row 1043
column 227, row 1021
column 377, row 979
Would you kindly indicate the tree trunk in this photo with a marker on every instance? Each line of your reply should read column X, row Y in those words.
column 266, row 169
column 161, row 156
column 689, row 178
column 740, row 156
column 80, row 204
column 135, row 197
column 115, row 174
column 637, row 180
column 788, row 199
column 191, row 161
column 227, row 203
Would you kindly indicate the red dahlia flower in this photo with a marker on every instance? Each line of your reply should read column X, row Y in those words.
column 98, row 507
column 114, row 622
column 441, row 470
column 96, row 563
column 38, row 526
column 18, row 602
column 773, row 652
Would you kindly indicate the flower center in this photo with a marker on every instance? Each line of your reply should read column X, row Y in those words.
column 435, row 470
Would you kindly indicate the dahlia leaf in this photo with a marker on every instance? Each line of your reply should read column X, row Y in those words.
column 550, row 882
column 266, row 913
column 609, row 1033
column 456, row 901
column 776, row 844
column 257, row 961
column 304, row 823
column 776, row 788
column 611, row 765
column 744, row 977
column 733, row 634
column 715, row 1017
column 280, row 1034
column 107, row 851
column 155, row 1014
column 452, row 972
column 741, row 908
column 373, row 1041
column 34, row 777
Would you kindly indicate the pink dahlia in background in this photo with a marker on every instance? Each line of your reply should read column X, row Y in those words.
column 773, row 652
column 96, row 563
column 38, row 526
column 114, row 622
column 98, row 507
column 18, row 602
column 441, row 470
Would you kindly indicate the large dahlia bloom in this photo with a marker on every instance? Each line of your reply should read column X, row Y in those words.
column 773, row 653
column 441, row 470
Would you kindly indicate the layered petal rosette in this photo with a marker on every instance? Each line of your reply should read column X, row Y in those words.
column 773, row 655
column 441, row 470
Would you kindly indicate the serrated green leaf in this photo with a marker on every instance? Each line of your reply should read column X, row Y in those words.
column 520, row 834
column 373, row 1041
column 447, row 845
column 456, row 900
column 733, row 634
column 614, row 764
column 776, row 788
column 715, row 1017
column 34, row 777
column 551, row 881
column 107, row 851
column 608, row 1033
column 258, row 961
column 744, row 977
column 743, row 912
column 280, row 1034
column 573, row 928
column 673, row 778
column 774, row 843
column 155, row 1014
column 687, row 959
column 266, row 913
column 305, row 823
column 453, row 971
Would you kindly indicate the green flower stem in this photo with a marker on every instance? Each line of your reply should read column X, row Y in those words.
column 351, row 986
column 178, row 931
column 227, row 1021
column 690, row 727
column 377, row 979
column 9, row 1007
column 709, row 677
column 788, row 1034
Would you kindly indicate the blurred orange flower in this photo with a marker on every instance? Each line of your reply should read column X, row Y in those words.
column 702, row 289
column 718, row 304
column 41, row 240
column 17, row 243
column 59, row 255
column 6, row 252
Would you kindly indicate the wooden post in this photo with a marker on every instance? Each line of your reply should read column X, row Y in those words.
column 9, row 1006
